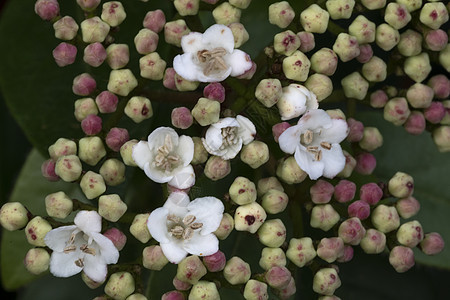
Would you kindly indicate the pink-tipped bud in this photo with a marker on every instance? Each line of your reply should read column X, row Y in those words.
column 214, row 91
column 347, row 256
column 237, row 271
column 173, row 295
column 365, row 53
column 91, row 125
column 278, row 277
column 94, row 54
column 351, row 231
column 154, row 20
column 181, row 285
column 378, row 99
column 307, row 42
column 370, row 193
column 344, row 191
column 407, row 207
column 215, row 262
column 435, row 112
column 146, row 41
column 169, row 79
column 329, row 249
column 64, row 54
column 432, row 244
column 373, row 242
column 116, row 236
column 88, row 5
column 106, row 102
column 278, row 129
column 116, row 137
column 359, row 209
column 321, row 191
column 47, row 9
column 365, row 163
column 415, row 124
column 436, row 40
column 401, row 258
column 48, row 170
column 83, row 84
column 440, row 85
column 356, row 132
column 181, row 117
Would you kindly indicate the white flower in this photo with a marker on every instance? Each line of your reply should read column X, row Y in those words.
column 315, row 141
column 226, row 137
column 81, row 247
column 210, row 57
column 166, row 157
column 295, row 100
column 183, row 227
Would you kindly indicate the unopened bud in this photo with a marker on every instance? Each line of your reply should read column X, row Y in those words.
column 200, row 153
column 120, row 285
column 255, row 290
column 314, row 19
column 274, row 201
column 138, row 109
column 181, row 285
column 116, row 137
column 436, row 40
column 278, row 129
column 268, row 91
column 440, row 85
column 281, row 14
column 153, row 258
column 111, row 207
column 204, row 290
column 319, row 84
column 386, row 37
column 117, row 56
column 326, row 281
column 116, row 236
column 113, row 13
column 174, row 31
column 249, row 217
column 121, row 82
column 365, row 53
column 385, row 218
column 106, row 102
column 355, row 86
column 441, row 137
column 113, row 172
column 68, row 168
column 242, row 191
column 289, row 171
column 347, row 256
column 296, row 66
column 215, row 91
column 137, row 296
column 272, row 233
column 181, row 117
column 351, row 231
column 94, row 30
column 216, row 168
column 126, row 153
column 373, row 242
column 91, row 150
column 240, row 34
column 375, row 70
column 370, row 193
column 401, row 185
column 324, row 61
column 191, row 269
column 359, row 209
column 329, row 249
column 346, row 47
column 378, row 99
column 321, row 192
column 152, row 66
column 286, row 43
column 225, row 227
column 288, row 291
column 397, row 15
column 344, row 191
column 215, row 262
column 435, row 112
column 83, row 84
column 418, row 67
column 58, row 205
column 278, row 277
column 37, row 261
column 410, row 43
column 324, row 217
column 407, row 207
column 372, row 139
column 301, row 251
column 410, row 234
column 226, row 14
column 36, row 230
column 91, row 125
column 237, row 271
column 255, row 154
column 154, row 20
column 64, row 54
column 362, row 29
column 432, row 244
column 92, row 185
column 94, row 54
column 350, row 164
column 434, row 14
column 340, row 9
column 48, row 170
column 47, row 10
column 401, row 258
column 271, row 257
column 65, row 28
column 267, row 184
column 184, row 85
column 139, row 228
column 88, row 5
column 307, row 42
column 206, row 111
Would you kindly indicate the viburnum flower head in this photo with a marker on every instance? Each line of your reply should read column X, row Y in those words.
column 211, row 57
column 314, row 141
column 185, row 227
column 226, row 137
column 81, row 247
column 166, row 157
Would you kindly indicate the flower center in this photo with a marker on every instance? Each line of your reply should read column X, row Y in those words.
column 229, row 137
column 70, row 247
column 163, row 159
column 307, row 138
column 213, row 60
column 183, row 229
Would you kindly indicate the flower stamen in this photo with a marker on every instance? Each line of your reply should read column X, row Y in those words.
column 308, row 137
column 69, row 249
column 213, row 59
column 87, row 250
column 79, row 262
column 325, row 145
column 163, row 159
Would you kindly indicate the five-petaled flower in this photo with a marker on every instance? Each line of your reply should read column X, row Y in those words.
column 226, row 137
column 296, row 99
column 183, row 227
column 315, row 141
column 211, row 57
column 166, row 157
column 81, row 247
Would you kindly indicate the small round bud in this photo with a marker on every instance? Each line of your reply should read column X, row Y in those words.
column 137, row 296
column 417, row 67
column 249, row 217
column 386, row 37
column 321, row 192
column 47, row 10
column 319, row 84
column 397, row 15
column 365, row 53
column 396, row 111
column 289, row 171
column 48, row 170
column 435, row 112
column 329, row 249
column 116, row 137
column 154, row 20
column 94, row 30
column 347, row 256
column 91, row 150
column 436, row 40
column 410, row 234
column 215, row 91
column 90, row 283
column 281, row 14
column 370, row 193
column 296, row 66
column 271, row 257
column 206, row 111
column 278, row 129
column 410, row 43
column 240, row 34
column 139, row 228
column 373, row 242
column 351, row 231
column 152, row 66
column 255, row 290
column 242, row 191
column 432, row 244
column 359, row 209
column 314, row 19
column 407, row 207
column 324, row 216
column 191, row 269
column 375, row 70
column 286, row 43
column 88, row 5
column 434, row 14
column 346, row 47
column 362, row 29
column 226, row 14
column 153, row 258
column 215, row 262
column 419, row 95
column 344, row 191
column 111, row 207
column 84, row 107
column 288, row 291
column 372, row 139
column 242, row 4
column 187, row 7
column 120, row 285
column 68, row 168
column 441, row 137
column 274, row 201
column 184, row 85
column 36, row 230
column 113, row 171
column 172, row 295
column 350, row 164
column 138, row 109
column 216, row 168
column 440, row 85
column 181, row 117
column 37, row 261
column 94, row 54
column 121, row 82
column 117, row 56
column 385, row 218
column 255, row 154
column 307, row 42
column 324, row 61
column 355, row 86
column 356, row 130
column 301, row 251
column 116, row 236
column 237, row 271
column 278, row 277
column 340, row 9
column 204, row 290
column 401, row 185
column 200, row 153
column 401, row 258
column 225, row 227
column 91, row 125
column 65, row 28
column 378, row 99
column 326, row 281
column 174, row 31
column 272, row 233
column 113, row 13
column 92, row 185
column 58, row 205
column 64, row 54
column 267, row 184
column 181, row 285
column 268, row 91
column 83, row 84
column 106, row 102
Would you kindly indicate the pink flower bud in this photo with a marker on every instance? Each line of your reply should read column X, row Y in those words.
column 407, row 207
column 359, row 209
column 278, row 129
column 344, row 191
column 378, row 99
column 440, row 85
column 321, row 191
column 94, row 54
column 146, row 41
column 83, row 84
column 181, row 285
column 365, row 53
column 356, row 130
column 215, row 262
column 116, row 137
column 116, row 236
column 432, row 244
column 169, row 79
column 329, row 249
column 64, row 54
column 307, row 42
column 47, row 9
column 347, row 256
column 365, row 163
column 91, row 125
column 191, row 269
column 370, row 193
column 154, row 20
column 415, row 124
column 48, row 170
column 214, row 91
column 182, row 118
column 401, row 258
column 436, row 40
column 173, row 295
column 435, row 112
column 106, row 102
column 278, row 277
column 351, row 231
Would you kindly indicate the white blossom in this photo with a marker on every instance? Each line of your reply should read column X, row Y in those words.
column 211, row 57
column 81, row 247
column 183, row 227
column 314, row 141
column 166, row 157
column 295, row 100
column 226, row 137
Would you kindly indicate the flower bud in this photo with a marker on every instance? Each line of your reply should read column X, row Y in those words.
column 278, row 129
column 351, row 231
column 301, row 251
column 116, row 137
column 206, row 111
column 200, row 153
column 113, row 172
column 255, row 154
column 137, row 296
column 296, row 66
column 436, row 40
column 47, row 10
column 278, row 277
column 237, row 271
column 329, row 249
column 62, row 147
column 91, row 125
column 92, row 185
column 401, row 185
column 419, row 95
column 407, row 207
column 268, row 91
column 225, row 227
column 172, row 295
column 324, row 61
column 321, row 192
column 372, row 139
column 138, row 109
column 242, row 4
column 281, row 14
column 91, row 150
column 83, row 84
column 386, row 37
column 121, row 82
column 117, row 57
column 226, row 14
column 36, row 230
column 116, row 236
column 272, row 233
column 370, row 193
column 240, row 34
column 106, row 102
column 319, row 84
column 139, row 228
column 181, row 285
column 187, row 7
column 90, row 283
column 94, row 30
column 375, row 70
column 58, row 205
column 274, row 201
column 68, row 168
column 84, row 107
column 288, row 291
column 181, row 117
column 152, row 66
column 249, row 217
column 355, row 86
column 344, row 191
column 153, row 258
column 410, row 43
column 174, row 31
column 340, row 9
column 267, row 184
column 359, row 209
column 434, row 14
column 365, row 163
column 347, row 256
column 397, row 15
column 48, row 170
column 346, row 47
column 289, row 171
column 362, row 29
column 326, row 281
column 242, row 191
column 286, row 43
column 435, row 112
column 94, row 54
column 204, row 290
column 440, row 85
column 373, row 242
column 184, row 85
column 255, row 290
column 378, row 99
column 410, row 234
column 154, row 20
column 337, row 114
column 215, row 91
column 215, row 262
column 432, row 244
column 113, row 13
column 111, row 207
column 365, row 53
column 441, row 137
column 324, row 216
column 65, row 28
column 271, row 257
column 385, row 218
column 401, row 258
column 307, row 42
column 88, row 5
column 356, row 130
column 37, row 261
column 417, row 67
column 314, row 19
column 64, row 54
column 120, row 285
column 216, row 168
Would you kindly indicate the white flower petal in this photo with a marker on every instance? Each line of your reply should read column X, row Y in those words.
column 56, row 239
column 239, row 61
column 337, row 133
column 246, row 130
column 157, row 138
column 226, row 122
column 185, row 65
column 305, row 161
column 213, row 139
column 157, row 225
column 156, row 174
column 231, row 151
column 88, row 221
column 109, row 252
column 202, row 245
column 218, row 36
column 290, row 139
column 192, row 42
column 95, row 268
column 63, row 264
column 183, row 178
column 141, row 154
column 185, row 149
column 334, row 161
column 177, row 200
column 315, row 119
column 173, row 252
column 209, row 211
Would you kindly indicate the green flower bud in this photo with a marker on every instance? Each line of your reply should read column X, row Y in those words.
column 301, row 251
column 397, row 15
column 267, row 184
column 326, row 281
column 272, row 233
column 362, row 29
column 94, row 30
column 237, row 271
column 444, row 58
column 373, row 242
column 375, row 70
column 249, row 217
column 410, row 43
column 324, row 217
column 139, row 109
column 324, row 61
column 91, row 150
column 58, row 205
column 373, row 4
column 411, row 5
column 296, row 66
column 92, row 185
column 113, row 171
column 68, row 168
column 206, row 111
column 314, row 19
column 286, row 43
column 340, row 9
column 152, row 66
column 281, row 14
column 139, row 228
column 401, row 258
column 84, row 107
column 13, row 216
column 441, row 137
column 410, row 234
column 418, row 67
column 204, row 290
column 242, row 4
column 113, row 13
column 274, row 201
column 136, row 296
column 321, row 85
column 240, row 34
column 216, row 168
column 126, row 153
column 225, row 227
column 121, row 82
column 355, row 86
column 65, row 28
column 386, row 37
column 419, row 95
column 434, row 15
column 351, row 231
column 255, row 154
column 372, row 139
column 271, row 257
column 226, row 14
column 153, row 258
column 401, row 185
column 120, row 285
column 350, row 164
column 268, row 91
column 242, row 191
column 200, row 153
column 62, row 147
column 36, row 230
column 184, row 85
column 117, row 56
column 111, row 207
column 336, row 114
column 289, row 171
column 187, row 7
column 385, row 218
column 191, row 269
column 37, row 261
column 346, row 47
column 146, row 41
column 330, row 249
column 174, row 31
column 255, row 290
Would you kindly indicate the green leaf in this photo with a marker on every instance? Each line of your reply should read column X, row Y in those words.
column 30, row 190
